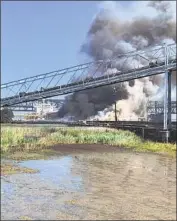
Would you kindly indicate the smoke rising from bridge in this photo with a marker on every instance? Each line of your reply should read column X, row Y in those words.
column 111, row 35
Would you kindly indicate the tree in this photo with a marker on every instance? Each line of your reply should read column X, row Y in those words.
column 6, row 115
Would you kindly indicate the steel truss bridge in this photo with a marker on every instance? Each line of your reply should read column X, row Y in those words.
column 133, row 65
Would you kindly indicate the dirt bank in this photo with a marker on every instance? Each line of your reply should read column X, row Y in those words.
column 92, row 148
column 80, row 148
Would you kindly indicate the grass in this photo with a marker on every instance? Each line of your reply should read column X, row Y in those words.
column 22, row 138
column 25, row 218
column 33, row 140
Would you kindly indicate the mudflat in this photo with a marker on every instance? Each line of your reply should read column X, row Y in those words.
column 83, row 182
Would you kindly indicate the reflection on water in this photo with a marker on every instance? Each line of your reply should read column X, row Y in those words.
column 56, row 171
column 93, row 186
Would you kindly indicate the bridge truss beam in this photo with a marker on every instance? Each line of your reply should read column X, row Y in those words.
column 125, row 67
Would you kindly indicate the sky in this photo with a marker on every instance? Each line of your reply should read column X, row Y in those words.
column 42, row 36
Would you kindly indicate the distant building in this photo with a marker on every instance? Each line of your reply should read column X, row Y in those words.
column 44, row 108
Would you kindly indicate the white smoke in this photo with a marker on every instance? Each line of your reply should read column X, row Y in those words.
column 118, row 30
column 143, row 89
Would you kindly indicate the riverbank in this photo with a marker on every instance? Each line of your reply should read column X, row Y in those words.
column 84, row 165
column 48, row 139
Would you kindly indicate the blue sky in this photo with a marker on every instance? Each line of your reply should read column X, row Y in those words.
column 42, row 36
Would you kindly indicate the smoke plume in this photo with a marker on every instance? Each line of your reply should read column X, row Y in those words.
column 115, row 31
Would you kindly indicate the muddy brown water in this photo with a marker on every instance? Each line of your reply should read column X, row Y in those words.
column 93, row 185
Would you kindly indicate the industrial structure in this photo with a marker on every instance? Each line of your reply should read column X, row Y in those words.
column 155, row 111
column 36, row 109
column 43, row 104
column 162, row 59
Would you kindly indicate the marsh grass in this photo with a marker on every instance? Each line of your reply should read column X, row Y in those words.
column 19, row 139
column 32, row 139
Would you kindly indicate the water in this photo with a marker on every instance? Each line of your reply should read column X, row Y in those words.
column 117, row 185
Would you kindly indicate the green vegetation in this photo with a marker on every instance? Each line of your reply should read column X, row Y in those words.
column 16, row 140
column 25, row 218
column 22, row 138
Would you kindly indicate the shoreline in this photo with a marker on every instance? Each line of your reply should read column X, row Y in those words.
column 74, row 150
column 98, row 148
column 67, row 139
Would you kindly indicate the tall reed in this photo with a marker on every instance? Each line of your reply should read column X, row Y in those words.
column 36, row 138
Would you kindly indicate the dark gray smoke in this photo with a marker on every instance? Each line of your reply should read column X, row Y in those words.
column 109, row 37
column 87, row 103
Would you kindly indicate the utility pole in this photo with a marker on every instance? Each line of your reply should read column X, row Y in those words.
column 115, row 105
column 115, row 111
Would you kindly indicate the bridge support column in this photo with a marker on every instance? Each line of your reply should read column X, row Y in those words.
column 169, row 100
column 167, row 107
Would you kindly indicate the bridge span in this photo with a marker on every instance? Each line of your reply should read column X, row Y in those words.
column 90, row 75
column 137, row 64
